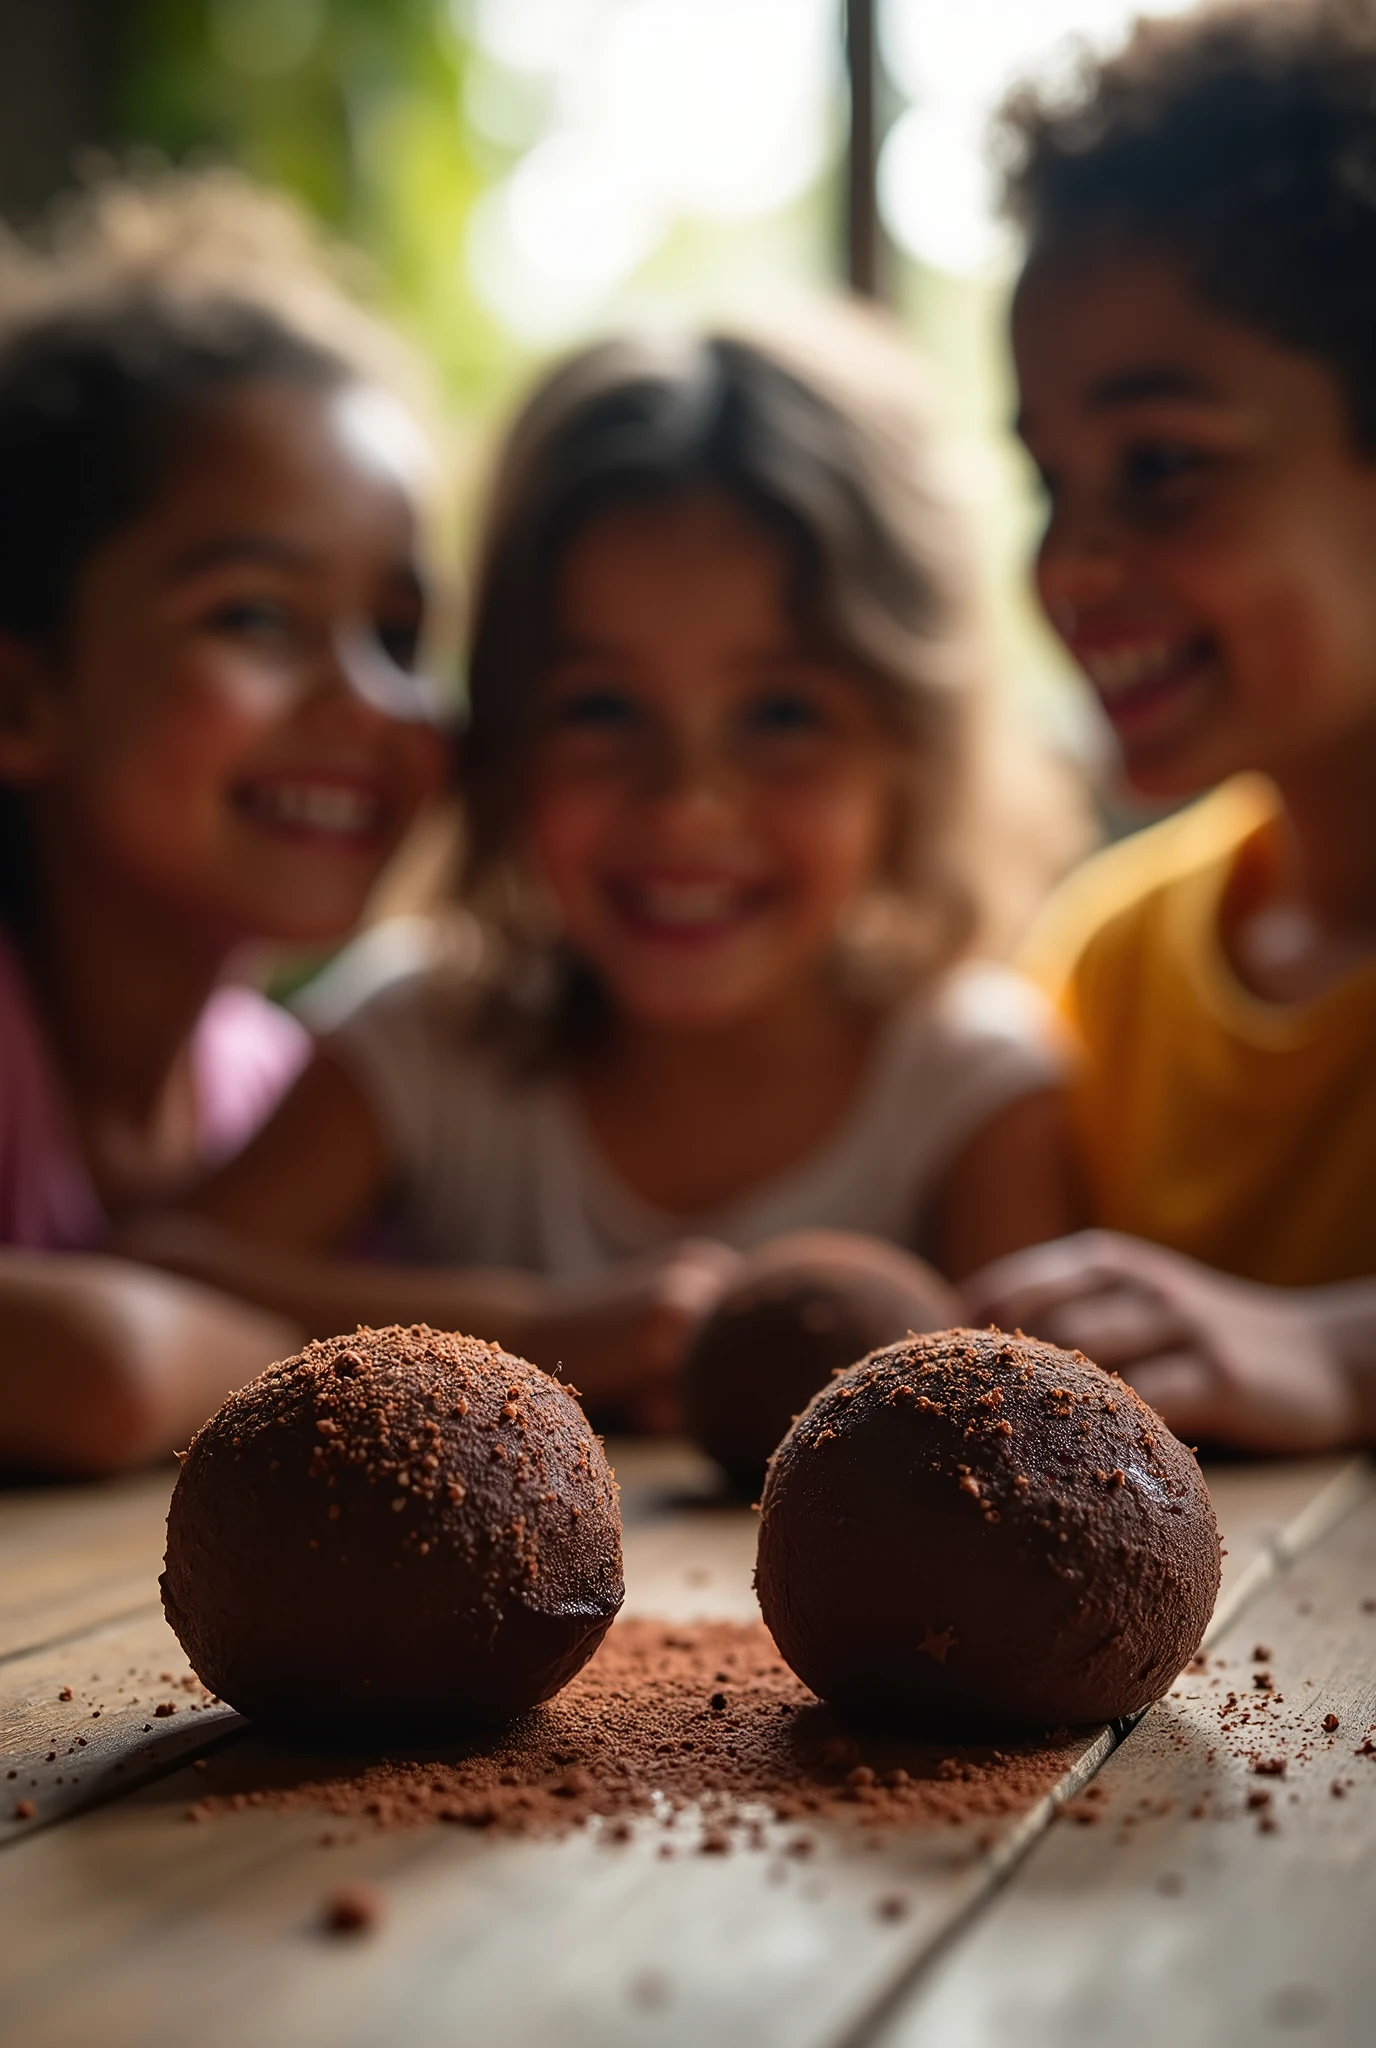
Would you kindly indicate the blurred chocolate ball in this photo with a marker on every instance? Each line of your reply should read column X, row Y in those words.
column 400, row 1527
column 973, row 1530
column 803, row 1306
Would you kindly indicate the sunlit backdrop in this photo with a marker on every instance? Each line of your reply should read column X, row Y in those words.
column 525, row 172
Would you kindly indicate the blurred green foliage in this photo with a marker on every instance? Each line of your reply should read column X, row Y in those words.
column 355, row 107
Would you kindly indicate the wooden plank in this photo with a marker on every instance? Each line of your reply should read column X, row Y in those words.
column 73, row 1557
column 132, row 1710
column 688, row 1554
column 1168, row 1926
column 1270, row 1513
column 129, row 1921
column 689, row 1546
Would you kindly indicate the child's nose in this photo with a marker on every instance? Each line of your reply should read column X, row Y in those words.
column 1080, row 563
column 691, row 774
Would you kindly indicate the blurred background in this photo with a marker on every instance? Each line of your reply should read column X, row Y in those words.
column 525, row 172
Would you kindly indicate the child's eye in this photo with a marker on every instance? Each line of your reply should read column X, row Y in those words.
column 254, row 617
column 1153, row 466
column 785, row 711
column 593, row 710
column 400, row 642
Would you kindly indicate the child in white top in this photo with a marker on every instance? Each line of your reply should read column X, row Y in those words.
column 722, row 863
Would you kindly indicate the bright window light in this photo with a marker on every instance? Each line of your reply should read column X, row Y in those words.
column 660, row 110
column 954, row 63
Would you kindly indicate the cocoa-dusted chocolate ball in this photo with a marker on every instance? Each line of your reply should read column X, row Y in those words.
column 802, row 1306
column 975, row 1529
column 398, row 1527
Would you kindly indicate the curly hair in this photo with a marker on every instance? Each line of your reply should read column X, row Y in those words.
column 1240, row 138
column 826, row 443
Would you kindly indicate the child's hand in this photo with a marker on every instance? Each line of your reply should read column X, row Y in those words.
column 622, row 1336
column 1218, row 1358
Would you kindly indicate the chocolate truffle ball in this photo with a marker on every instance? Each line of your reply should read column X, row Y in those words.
column 972, row 1529
column 400, row 1527
column 803, row 1306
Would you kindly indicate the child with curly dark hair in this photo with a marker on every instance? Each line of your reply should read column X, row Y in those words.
column 1195, row 332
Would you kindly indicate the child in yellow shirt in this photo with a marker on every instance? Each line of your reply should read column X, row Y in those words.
column 1195, row 334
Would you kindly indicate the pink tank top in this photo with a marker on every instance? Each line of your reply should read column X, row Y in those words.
column 246, row 1052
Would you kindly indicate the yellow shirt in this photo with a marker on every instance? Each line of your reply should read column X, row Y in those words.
column 1239, row 1131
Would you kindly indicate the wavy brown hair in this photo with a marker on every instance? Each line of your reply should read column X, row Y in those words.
column 826, row 440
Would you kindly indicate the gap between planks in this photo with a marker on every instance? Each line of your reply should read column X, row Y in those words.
column 1281, row 1548
column 1213, row 1903
column 73, row 1558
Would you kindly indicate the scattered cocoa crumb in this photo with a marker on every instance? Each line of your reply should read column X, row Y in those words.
column 162, row 1711
column 1261, row 1655
column 353, row 1909
column 24, row 1809
column 65, row 1693
column 1331, row 1721
column 1269, row 1767
column 637, row 1733
column 892, row 1907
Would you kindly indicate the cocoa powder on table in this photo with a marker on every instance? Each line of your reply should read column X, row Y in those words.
column 666, row 1719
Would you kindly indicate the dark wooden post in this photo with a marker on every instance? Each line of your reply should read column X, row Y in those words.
column 867, row 268
column 58, row 63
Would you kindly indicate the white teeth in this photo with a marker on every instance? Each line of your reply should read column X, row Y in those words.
column 322, row 806
column 1114, row 671
column 685, row 903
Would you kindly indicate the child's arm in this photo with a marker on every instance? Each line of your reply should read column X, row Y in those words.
column 1013, row 1185
column 105, row 1366
column 1271, row 1369
column 267, row 1225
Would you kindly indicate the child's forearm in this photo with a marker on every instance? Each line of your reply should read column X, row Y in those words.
column 326, row 1295
column 104, row 1365
column 615, row 1335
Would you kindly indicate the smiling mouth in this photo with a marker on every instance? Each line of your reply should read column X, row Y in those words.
column 686, row 912
column 322, row 811
column 1135, row 680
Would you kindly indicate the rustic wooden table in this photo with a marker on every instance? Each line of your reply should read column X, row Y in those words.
column 123, row 1927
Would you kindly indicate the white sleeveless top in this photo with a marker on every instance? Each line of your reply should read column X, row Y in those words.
column 495, row 1171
